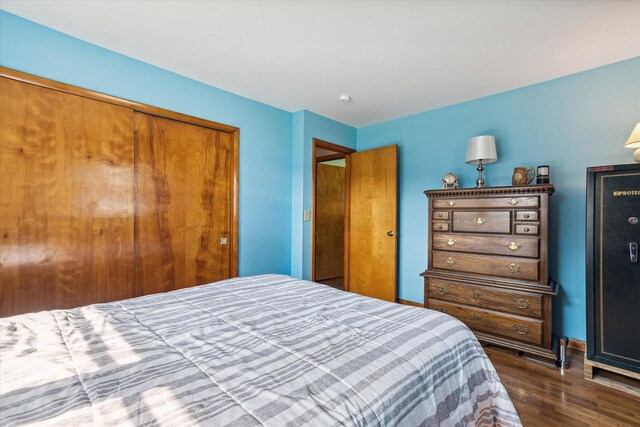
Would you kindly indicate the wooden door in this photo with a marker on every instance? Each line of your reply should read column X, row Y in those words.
column 183, row 198
column 329, row 224
column 372, row 219
column 66, row 199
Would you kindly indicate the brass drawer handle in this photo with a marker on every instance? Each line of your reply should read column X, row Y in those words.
column 451, row 202
column 513, row 268
column 439, row 227
column 442, row 310
column 526, row 229
column 439, row 214
column 441, row 290
column 522, row 303
column 450, row 261
column 480, row 220
column 513, row 246
column 522, row 330
column 513, row 202
column 478, row 294
column 526, row 216
column 477, row 317
column 451, row 241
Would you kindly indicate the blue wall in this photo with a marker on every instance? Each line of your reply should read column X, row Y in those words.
column 568, row 123
column 265, row 131
column 306, row 126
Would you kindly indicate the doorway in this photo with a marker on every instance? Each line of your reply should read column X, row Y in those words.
column 353, row 221
column 329, row 217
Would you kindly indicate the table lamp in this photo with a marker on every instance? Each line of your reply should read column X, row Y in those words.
column 481, row 149
column 634, row 142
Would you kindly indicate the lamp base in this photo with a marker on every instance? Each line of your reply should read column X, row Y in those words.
column 480, row 180
column 636, row 155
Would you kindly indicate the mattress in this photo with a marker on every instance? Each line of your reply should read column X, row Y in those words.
column 263, row 350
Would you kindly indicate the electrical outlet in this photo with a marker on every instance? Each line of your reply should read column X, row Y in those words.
column 223, row 240
column 307, row 215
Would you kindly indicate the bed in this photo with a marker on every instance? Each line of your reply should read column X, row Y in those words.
column 262, row 350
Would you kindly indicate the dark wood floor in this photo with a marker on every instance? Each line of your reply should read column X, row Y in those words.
column 548, row 397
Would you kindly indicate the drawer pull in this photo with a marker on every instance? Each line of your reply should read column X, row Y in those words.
column 480, row 220
column 439, row 214
column 513, row 246
column 477, row 317
column 513, row 202
column 451, row 241
column 451, row 202
column 478, row 294
column 441, row 290
column 522, row 303
column 526, row 216
column 513, row 268
column 526, row 229
column 450, row 261
column 439, row 227
column 522, row 330
column 442, row 310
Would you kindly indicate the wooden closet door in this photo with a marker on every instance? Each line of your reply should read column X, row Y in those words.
column 66, row 199
column 183, row 200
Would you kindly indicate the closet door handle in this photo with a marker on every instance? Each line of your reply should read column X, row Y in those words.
column 390, row 233
column 633, row 251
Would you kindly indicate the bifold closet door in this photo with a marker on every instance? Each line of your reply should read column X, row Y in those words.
column 183, row 198
column 66, row 200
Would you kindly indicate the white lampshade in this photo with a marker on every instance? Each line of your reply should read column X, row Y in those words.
column 634, row 139
column 481, row 148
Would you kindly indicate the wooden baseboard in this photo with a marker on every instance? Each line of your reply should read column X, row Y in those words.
column 412, row 303
column 577, row 345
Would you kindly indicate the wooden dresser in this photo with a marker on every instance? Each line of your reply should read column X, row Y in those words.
column 488, row 264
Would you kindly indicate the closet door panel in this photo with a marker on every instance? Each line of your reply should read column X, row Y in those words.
column 183, row 199
column 66, row 199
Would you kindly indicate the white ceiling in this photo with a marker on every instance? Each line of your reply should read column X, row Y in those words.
column 393, row 57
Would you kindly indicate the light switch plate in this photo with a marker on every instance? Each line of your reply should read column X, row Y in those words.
column 307, row 215
column 223, row 240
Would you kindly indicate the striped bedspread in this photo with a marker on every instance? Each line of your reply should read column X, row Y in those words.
column 264, row 350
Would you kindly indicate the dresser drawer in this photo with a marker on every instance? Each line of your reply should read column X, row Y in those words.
column 482, row 221
column 493, row 202
column 516, row 268
column 495, row 245
column 526, row 215
column 519, row 328
column 440, row 226
column 444, row 215
column 521, row 303
column 527, row 229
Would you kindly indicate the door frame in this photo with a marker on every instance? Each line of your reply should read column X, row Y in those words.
column 342, row 153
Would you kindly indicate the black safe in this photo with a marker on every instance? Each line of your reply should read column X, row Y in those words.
column 613, row 268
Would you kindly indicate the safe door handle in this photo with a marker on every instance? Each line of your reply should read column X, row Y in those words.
column 633, row 251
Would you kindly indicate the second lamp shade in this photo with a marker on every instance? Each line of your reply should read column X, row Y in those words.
column 481, row 148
